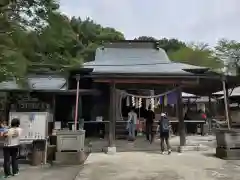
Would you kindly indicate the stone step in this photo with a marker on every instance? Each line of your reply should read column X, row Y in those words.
column 228, row 154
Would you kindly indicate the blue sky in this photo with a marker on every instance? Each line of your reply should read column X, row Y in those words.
column 188, row 20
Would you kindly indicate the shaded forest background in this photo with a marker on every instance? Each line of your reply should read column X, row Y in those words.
column 36, row 36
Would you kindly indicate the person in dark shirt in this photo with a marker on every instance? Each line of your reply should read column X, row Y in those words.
column 150, row 116
column 164, row 127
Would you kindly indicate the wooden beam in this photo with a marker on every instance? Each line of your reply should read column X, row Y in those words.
column 226, row 103
column 211, row 113
column 112, row 115
column 148, row 81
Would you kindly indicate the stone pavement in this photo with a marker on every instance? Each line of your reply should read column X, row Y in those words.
column 55, row 172
column 148, row 165
column 154, row 166
column 99, row 145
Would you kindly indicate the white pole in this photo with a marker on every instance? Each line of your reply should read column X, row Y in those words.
column 76, row 106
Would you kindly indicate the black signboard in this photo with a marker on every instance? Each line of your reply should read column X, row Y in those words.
column 28, row 103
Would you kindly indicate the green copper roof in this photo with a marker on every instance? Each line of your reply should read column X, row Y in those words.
column 135, row 58
column 37, row 83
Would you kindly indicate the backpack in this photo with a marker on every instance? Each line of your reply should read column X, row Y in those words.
column 165, row 125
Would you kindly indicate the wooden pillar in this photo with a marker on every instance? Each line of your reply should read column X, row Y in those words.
column 210, row 104
column 226, row 103
column 54, row 107
column 181, row 124
column 210, row 112
column 112, row 115
column 118, row 108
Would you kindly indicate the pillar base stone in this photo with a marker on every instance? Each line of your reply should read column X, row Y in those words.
column 111, row 150
column 197, row 147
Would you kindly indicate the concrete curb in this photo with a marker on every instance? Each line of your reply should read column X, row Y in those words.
column 198, row 147
column 187, row 148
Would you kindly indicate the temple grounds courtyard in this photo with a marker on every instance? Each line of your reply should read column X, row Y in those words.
column 154, row 166
column 143, row 165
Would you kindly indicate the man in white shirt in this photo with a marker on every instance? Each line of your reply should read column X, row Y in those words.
column 11, row 146
column 132, row 122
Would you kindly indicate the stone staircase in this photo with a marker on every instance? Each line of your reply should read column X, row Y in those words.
column 121, row 131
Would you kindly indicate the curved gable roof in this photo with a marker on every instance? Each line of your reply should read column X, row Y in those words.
column 135, row 58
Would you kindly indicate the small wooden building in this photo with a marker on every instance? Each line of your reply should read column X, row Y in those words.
column 132, row 66
column 126, row 66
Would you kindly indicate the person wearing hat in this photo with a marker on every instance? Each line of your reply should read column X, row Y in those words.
column 164, row 127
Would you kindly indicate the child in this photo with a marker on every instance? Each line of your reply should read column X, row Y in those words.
column 3, row 128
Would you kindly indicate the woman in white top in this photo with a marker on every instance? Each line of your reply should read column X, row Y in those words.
column 132, row 122
column 11, row 146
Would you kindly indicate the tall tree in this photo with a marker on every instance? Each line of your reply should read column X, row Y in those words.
column 17, row 19
column 171, row 45
column 56, row 43
column 229, row 52
column 12, row 41
column 92, row 35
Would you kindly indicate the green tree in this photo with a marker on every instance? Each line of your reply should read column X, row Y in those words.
column 169, row 45
column 198, row 56
column 12, row 42
column 91, row 35
column 55, row 44
column 194, row 54
column 229, row 52
column 145, row 38
column 18, row 19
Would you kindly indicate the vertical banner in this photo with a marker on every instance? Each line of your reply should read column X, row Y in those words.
column 161, row 100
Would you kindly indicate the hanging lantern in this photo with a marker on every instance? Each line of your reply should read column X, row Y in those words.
column 127, row 101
